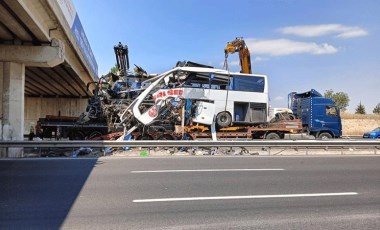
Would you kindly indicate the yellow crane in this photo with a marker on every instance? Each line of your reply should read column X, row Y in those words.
column 238, row 45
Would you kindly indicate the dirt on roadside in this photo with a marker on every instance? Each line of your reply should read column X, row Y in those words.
column 357, row 124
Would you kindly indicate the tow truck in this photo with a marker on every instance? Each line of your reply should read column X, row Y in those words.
column 203, row 102
column 193, row 101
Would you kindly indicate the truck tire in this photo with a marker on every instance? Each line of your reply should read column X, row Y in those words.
column 95, row 135
column 272, row 136
column 166, row 137
column 324, row 136
column 76, row 136
column 291, row 117
column 144, row 137
column 223, row 119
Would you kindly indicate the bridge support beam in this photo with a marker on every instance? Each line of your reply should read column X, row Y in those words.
column 40, row 56
column 12, row 84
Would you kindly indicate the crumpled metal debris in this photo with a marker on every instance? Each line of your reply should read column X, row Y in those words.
column 81, row 152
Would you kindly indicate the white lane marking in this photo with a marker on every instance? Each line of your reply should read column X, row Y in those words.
column 205, row 170
column 245, row 197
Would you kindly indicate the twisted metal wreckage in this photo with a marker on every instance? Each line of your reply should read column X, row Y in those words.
column 189, row 101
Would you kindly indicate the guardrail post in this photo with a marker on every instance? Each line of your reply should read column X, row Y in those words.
column 269, row 150
column 307, row 151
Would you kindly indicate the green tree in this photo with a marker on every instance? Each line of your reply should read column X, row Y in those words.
column 360, row 109
column 376, row 110
column 114, row 69
column 341, row 99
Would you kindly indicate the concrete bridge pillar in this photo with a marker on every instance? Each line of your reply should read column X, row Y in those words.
column 13, row 59
column 12, row 84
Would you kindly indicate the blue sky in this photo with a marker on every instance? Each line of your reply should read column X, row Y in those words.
column 298, row 44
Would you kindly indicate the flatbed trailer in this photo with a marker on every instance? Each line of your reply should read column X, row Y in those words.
column 275, row 130
column 58, row 127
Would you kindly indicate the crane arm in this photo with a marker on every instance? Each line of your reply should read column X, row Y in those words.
column 238, row 45
column 122, row 58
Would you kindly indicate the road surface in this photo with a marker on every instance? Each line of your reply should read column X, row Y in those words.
column 335, row 192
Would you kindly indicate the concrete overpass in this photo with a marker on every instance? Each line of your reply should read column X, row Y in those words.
column 45, row 63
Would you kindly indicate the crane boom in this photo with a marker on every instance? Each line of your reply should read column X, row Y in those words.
column 122, row 58
column 238, row 45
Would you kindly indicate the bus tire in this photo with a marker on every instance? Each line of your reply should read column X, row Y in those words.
column 272, row 136
column 324, row 136
column 223, row 119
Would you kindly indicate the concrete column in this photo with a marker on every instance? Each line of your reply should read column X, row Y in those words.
column 2, row 151
column 12, row 78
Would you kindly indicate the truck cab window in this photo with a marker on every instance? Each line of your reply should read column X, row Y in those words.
column 331, row 111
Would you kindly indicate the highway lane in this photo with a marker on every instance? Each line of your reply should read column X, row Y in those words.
column 105, row 193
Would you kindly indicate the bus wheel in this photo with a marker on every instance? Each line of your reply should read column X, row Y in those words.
column 324, row 136
column 272, row 136
column 223, row 119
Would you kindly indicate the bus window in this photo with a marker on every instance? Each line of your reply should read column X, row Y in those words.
column 207, row 81
column 248, row 83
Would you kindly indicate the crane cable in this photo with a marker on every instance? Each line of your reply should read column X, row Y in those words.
column 225, row 66
column 228, row 70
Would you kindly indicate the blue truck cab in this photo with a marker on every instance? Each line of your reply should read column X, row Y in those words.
column 320, row 116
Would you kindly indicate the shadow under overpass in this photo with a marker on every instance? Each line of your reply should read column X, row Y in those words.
column 39, row 193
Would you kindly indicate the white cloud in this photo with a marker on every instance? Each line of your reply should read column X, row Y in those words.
column 281, row 47
column 353, row 33
column 338, row 30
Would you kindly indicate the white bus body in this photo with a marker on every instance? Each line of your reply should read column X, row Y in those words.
column 242, row 97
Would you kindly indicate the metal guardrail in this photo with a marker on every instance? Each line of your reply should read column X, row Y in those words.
column 195, row 143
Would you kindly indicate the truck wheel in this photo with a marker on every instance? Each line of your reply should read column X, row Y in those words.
column 144, row 137
column 166, row 137
column 291, row 117
column 76, row 135
column 223, row 119
column 324, row 136
column 95, row 135
column 272, row 136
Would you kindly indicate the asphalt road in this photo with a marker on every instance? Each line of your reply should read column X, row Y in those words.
column 335, row 192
